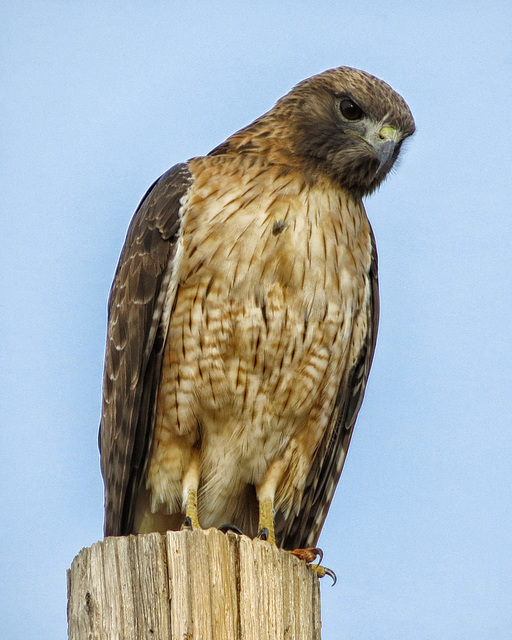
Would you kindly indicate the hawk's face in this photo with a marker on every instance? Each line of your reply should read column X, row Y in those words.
column 350, row 122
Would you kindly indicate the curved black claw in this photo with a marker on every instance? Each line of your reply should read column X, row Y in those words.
column 309, row 555
column 332, row 575
column 321, row 572
column 187, row 524
column 230, row 527
column 262, row 534
column 319, row 553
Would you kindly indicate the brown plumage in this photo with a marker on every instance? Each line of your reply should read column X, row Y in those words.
column 243, row 318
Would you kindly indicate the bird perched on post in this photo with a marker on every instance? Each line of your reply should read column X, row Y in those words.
column 243, row 319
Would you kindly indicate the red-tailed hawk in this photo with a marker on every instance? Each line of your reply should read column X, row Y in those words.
column 243, row 318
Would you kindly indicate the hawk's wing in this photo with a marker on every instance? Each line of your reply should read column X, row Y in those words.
column 135, row 340
column 304, row 529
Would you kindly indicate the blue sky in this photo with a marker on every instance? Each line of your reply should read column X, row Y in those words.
column 99, row 99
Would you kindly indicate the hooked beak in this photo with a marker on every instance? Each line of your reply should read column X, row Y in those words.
column 385, row 145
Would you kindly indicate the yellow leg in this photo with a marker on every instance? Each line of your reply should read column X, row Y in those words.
column 191, row 509
column 266, row 518
column 190, row 487
column 265, row 493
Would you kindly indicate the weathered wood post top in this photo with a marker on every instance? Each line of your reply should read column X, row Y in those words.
column 191, row 585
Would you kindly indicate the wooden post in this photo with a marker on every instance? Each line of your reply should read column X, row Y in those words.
column 191, row 585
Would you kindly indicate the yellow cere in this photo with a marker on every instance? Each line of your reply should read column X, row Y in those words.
column 389, row 133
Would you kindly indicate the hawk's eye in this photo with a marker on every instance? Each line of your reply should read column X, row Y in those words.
column 350, row 110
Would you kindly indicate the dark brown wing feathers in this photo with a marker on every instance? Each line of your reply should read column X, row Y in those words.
column 135, row 344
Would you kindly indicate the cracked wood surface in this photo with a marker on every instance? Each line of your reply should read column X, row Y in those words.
column 191, row 585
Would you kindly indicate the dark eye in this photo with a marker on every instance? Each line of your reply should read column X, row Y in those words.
column 350, row 110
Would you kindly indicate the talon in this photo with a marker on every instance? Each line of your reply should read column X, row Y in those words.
column 230, row 527
column 263, row 534
column 324, row 571
column 187, row 524
column 320, row 553
column 331, row 575
column 309, row 555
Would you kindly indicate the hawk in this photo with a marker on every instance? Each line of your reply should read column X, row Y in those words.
column 243, row 318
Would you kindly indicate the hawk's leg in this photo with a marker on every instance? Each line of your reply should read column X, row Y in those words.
column 265, row 493
column 191, row 518
column 266, row 520
column 190, row 487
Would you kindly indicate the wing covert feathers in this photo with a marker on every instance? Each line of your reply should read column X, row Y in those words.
column 135, row 342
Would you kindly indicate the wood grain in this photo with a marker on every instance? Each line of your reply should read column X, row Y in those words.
column 191, row 585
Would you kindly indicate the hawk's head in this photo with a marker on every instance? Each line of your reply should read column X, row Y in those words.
column 348, row 124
